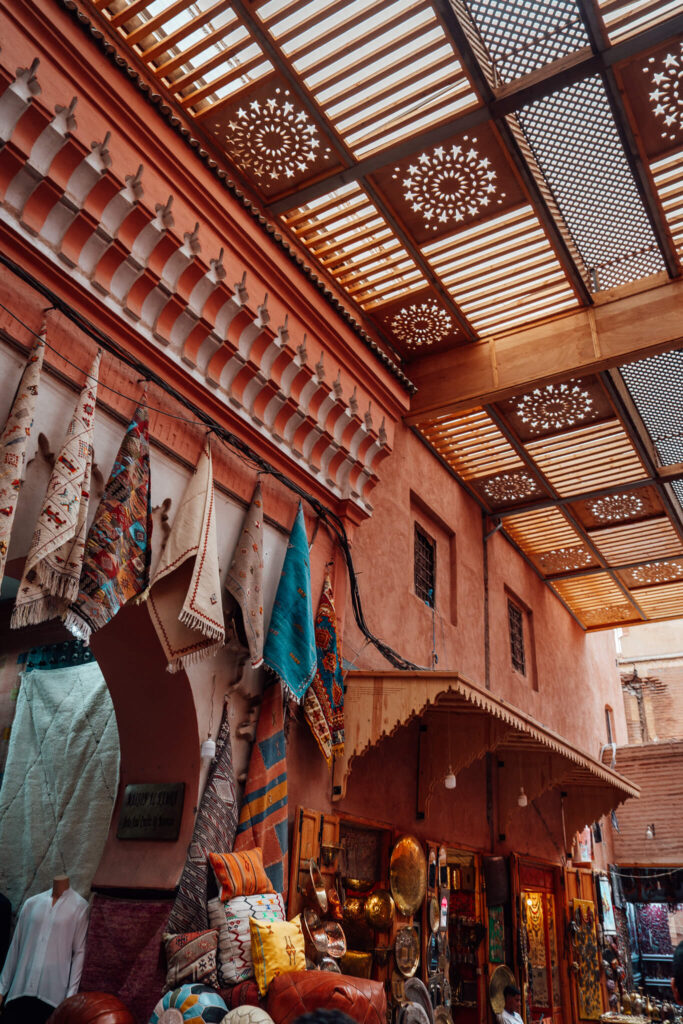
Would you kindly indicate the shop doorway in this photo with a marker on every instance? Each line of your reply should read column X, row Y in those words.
column 539, row 917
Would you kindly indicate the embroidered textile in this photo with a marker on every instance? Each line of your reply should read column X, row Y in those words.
column 231, row 918
column 290, row 643
column 117, row 549
column 214, row 829
column 263, row 817
column 244, row 580
column 13, row 444
column 324, row 702
column 190, row 627
column 55, row 559
column 190, row 957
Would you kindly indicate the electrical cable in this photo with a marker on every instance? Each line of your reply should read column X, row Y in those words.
column 331, row 520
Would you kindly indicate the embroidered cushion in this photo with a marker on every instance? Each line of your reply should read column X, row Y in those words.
column 234, row 934
column 240, row 874
column 191, row 956
column 276, row 948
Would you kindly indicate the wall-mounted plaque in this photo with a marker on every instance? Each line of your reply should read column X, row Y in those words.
column 151, row 810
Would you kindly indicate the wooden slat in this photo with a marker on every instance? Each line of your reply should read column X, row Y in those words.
column 485, row 268
column 596, row 600
column 633, row 542
column 590, row 458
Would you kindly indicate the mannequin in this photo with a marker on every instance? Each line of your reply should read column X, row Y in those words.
column 45, row 959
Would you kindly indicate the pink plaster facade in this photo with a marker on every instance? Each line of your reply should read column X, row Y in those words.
column 571, row 676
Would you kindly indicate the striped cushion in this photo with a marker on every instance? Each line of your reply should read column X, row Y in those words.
column 240, row 874
column 235, row 962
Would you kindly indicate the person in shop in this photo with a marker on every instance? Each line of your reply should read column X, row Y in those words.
column 513, row 1004
column 677, row 980
column 45, row 958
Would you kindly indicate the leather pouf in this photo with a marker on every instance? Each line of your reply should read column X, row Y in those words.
column 92, row 1008
column 247, row 1015
column 193, row 1002
column 298, row 992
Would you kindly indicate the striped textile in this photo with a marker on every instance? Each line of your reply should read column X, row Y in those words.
column 240, row 874
column 214, row 829
column 263, row 817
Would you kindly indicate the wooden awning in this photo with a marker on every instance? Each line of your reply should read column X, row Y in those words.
column 377, row 704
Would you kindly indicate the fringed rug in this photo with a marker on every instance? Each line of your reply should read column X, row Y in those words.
column 245, row 577
column 55, row 559
column 290, row 643
column 185, row 597
column 324, row 701
column 117, row 550
column 13, row 444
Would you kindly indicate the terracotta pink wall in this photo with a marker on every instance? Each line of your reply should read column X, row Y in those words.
column 576, row 673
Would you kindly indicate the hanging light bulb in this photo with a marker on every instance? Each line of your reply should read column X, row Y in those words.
column 522, row 799
column 449, row 780
column 208, row 749
column 650, row 832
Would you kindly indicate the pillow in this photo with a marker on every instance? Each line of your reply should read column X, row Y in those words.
column 191, row 956
column 277, row 947
column 240, row 874
column 234, row 935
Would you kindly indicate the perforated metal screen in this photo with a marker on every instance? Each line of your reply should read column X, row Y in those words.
column 656, row 387
column 575, row 140
column 523, row 35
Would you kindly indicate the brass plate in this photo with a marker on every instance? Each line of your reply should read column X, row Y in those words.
column 380, row 910
column 501, row 977
column 336, row 940
column 407, row 951
column 408, row 875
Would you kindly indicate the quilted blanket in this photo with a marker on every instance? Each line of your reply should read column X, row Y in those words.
column 60, row 781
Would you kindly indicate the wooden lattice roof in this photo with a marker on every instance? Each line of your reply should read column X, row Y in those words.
column 456, row 170
column 584, row 477
column 455, row 167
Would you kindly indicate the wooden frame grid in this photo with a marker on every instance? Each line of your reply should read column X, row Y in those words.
column 376, row 84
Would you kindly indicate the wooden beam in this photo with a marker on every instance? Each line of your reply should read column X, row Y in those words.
column 624, row 324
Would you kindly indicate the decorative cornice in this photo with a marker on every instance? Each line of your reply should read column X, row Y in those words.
column 222, row 174
column 91, row 221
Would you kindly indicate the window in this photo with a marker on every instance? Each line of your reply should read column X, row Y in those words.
column 425, row 566
column 516, row 626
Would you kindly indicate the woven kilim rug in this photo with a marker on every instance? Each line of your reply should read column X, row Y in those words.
column 214, row 830
column 263, row 817
column 13, row 443
column 184, row 601
column 117, row 550
column 324, row 701
column 289, row 649
column 55, row 559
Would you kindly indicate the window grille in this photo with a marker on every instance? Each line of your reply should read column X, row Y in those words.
column 425, row 566
column 516, row 625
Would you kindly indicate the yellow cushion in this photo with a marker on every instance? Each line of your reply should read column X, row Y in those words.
column 276, row 948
